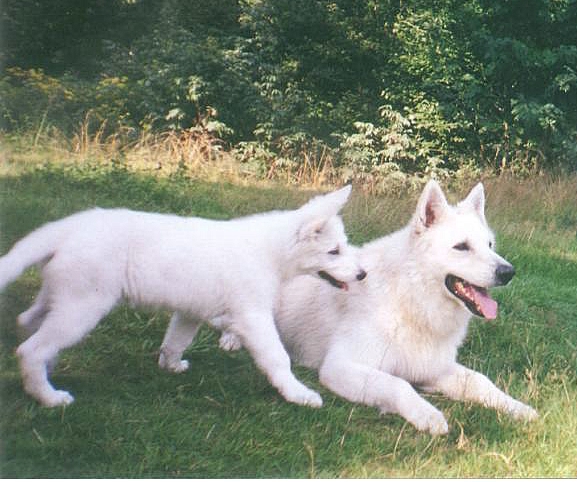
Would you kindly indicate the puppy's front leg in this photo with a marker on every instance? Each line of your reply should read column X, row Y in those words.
column 179, row 335
column 258, row 334
column 364, row 384
column 461, row 383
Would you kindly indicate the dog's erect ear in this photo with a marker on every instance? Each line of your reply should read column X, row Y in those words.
column 431, row 206
column 318, row 211
column 476, row 200
column 311, row 228
column 328, row 204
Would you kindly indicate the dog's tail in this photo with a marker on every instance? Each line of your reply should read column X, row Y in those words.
column 37, row 247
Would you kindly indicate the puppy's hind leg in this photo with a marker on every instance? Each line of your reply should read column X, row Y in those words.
column 179, row 335
column 259, row 335
column 67, row 322
column 30, row 320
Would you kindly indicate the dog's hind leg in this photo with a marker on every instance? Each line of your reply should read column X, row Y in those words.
column 30, row 320
column 179, row 335
column 258, row 334
column 67, row 322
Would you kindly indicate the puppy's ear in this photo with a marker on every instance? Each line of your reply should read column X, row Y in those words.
column 476, row 200
column 431, row 206
column 339, row 197
column 311, row 228
column 328, row 204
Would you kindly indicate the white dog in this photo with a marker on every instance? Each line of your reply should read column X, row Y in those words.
column 200, row 268
column 403, row 325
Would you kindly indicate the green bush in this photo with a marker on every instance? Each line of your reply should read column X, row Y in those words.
column 473, row 81
column 31, row 98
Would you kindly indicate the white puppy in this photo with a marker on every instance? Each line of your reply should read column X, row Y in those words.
column 202, row 269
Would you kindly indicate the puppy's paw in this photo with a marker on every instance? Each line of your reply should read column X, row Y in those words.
column 302, row 395
column 229, row 341
column 177, row 366
column 180, row 367
column 57, row 398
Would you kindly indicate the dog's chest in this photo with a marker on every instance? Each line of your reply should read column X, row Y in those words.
column 415, row 355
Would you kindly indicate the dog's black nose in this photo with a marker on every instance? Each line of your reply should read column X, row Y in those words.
column 362, row 275
column 504, row 273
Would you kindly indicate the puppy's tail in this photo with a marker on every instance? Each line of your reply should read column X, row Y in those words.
column 37, row 247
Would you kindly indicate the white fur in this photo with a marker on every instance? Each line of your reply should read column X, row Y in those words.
column 202, row 269
column 401, row 327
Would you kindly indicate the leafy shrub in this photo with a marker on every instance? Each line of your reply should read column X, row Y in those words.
column 398, row 87
column 29, row 97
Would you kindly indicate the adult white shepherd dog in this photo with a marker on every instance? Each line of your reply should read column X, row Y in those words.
column 200, row 268
column 402, row 326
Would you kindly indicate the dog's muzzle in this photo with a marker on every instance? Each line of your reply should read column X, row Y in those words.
column 342, row 285
column 503, row 274
column 476, row 299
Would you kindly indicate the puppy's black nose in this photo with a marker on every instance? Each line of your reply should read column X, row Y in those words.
column 504, row 273
column 362, row 275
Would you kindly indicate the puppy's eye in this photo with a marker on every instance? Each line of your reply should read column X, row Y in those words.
column 491, row 244
column 464, row 246
column 335, row 251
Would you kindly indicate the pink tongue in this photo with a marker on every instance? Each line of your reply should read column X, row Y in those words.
column 487, row 305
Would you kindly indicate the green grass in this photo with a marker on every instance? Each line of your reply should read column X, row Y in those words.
column 222, row 419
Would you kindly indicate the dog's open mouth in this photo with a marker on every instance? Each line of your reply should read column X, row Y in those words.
column 333, row 281
column 476, row 299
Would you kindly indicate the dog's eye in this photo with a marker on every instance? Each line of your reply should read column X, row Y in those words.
column 335, row 251
column 464, row 246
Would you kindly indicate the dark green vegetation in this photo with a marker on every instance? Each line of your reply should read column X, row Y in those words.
column 222, row 419
column 372, row 86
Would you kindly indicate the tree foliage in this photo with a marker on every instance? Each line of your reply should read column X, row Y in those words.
column 405, row 85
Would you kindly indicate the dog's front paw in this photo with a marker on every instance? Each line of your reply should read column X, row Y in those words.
column 177, row 366
column 429, row 419
column 229, row 341
column 520, row 411
column 181, row 366
column 57, row 398
column 302, row 395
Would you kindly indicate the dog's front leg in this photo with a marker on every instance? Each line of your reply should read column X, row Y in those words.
column 461, row 383
column 258, row 334
column 364, row 384
column 179, row 335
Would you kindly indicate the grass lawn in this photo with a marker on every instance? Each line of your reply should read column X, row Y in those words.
column 222, row 419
